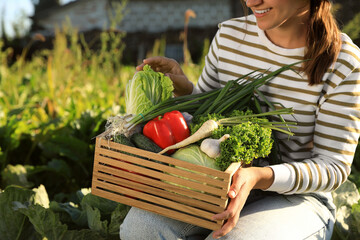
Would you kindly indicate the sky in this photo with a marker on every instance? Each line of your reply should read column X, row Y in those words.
column 17, row 12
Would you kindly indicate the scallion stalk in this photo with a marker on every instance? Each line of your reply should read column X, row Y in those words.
column 235, row 95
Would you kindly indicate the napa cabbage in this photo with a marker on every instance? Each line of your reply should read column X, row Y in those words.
column 146, row 89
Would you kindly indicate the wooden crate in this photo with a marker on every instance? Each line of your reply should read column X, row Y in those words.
column 160, row 184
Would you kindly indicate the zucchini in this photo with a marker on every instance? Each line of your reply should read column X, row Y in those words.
column 145, row 143
column 122, row 139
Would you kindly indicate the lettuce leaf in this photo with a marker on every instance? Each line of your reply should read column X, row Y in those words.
column 146, row 89
column 193, row 154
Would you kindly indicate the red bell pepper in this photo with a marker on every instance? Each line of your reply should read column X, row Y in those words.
column 167, row 130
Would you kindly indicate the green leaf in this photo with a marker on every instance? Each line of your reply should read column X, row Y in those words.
column 60, row 166
column 65, row 145
column 45, row 222
column 105, row 206
column 88, row 125
column 352, row 27
column 117, row 217
column 82, row 193
column 346, row 197
column 94, row 221
column 48, row 225
column 13, row 223
column 146, row 89
column 77, row 215
column 355, row 213
column 84, row 234
column 103, row 215
column 16, row 175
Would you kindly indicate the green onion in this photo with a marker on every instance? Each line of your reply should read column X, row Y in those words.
column 234, row 95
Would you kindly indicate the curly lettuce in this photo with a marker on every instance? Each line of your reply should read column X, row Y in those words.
column 247, row 141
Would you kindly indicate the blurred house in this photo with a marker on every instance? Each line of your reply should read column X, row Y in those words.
column 144, row 21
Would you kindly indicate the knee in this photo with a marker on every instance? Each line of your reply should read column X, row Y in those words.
column 127, row 231
column 138, row 224
column 130, row 229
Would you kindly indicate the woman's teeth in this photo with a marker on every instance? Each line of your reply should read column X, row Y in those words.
column 262, row 11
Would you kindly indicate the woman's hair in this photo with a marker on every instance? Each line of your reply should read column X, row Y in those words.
column 323, row 41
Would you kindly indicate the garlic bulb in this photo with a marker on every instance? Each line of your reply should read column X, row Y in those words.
column 211, row 147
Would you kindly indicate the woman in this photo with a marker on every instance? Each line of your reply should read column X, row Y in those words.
column 296, row 201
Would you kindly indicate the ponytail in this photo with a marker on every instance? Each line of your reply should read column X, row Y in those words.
column 323, row 41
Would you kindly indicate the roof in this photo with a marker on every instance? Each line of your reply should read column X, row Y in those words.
column 47, row 12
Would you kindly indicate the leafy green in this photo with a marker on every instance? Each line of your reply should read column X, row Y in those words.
column 146, row 89
column 193, row 154
column 347, row 202
column 247, row 141
column 16, row 175
column 70, row 213
column 27, row 214
column 98, row 214
column 13, row 224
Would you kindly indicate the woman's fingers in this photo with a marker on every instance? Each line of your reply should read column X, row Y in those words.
column 182, row 86
column 161, row 64
column 239, row 192
column 172, row 69
column 234, row 190
column 235, row 205
column 230, row 216
column 236, row 184
column 140, row 67
column 227, row 227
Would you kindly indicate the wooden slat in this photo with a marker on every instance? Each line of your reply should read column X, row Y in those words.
column 171, row 188
column 217, row 200
column 201, row 177
column 164, row 193
column 158, row 209
column 162, row 158
column 163, row 176
column 158, row 200
column 164, row 185
column 233, row 168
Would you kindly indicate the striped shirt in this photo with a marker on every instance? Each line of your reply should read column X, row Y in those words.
column 318, row 157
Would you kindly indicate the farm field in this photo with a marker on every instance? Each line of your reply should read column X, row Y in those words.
column 51, row 108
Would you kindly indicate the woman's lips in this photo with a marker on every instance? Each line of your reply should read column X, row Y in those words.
column 261, row 13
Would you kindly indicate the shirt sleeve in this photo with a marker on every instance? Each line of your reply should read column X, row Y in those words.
column 336, row 136
column 209, row 78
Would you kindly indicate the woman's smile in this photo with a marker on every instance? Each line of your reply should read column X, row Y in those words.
column 261, row 12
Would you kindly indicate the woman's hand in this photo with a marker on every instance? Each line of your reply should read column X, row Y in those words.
column 172, row 69
column 244, row 180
